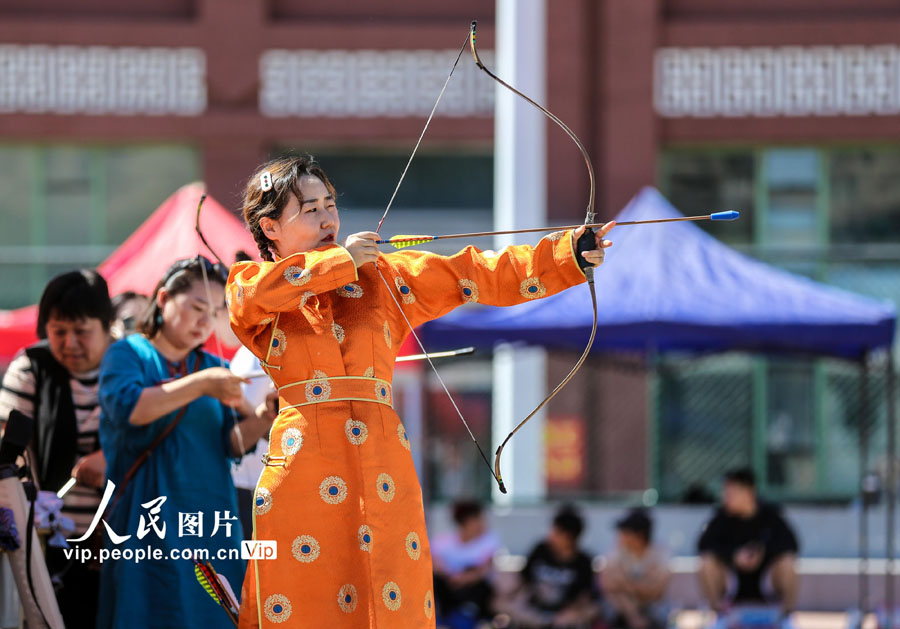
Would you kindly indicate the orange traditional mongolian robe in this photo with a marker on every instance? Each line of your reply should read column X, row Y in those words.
column 339, row 492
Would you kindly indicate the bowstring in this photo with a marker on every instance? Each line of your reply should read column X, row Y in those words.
column 388, row 286
column 421, row 135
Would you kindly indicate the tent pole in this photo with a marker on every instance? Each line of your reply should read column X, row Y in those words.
column 864, row 502
column 891, row 488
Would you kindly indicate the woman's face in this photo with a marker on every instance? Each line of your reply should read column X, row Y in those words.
column 78, row 345
column 313, row 224
column 189, row 317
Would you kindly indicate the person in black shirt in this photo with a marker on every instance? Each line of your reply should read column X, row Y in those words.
column 747, row 537
column 557, row 587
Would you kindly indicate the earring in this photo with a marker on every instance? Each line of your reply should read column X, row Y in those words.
column 159, row 319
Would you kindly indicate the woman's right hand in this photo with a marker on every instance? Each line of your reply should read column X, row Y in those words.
column 220, row 383
column 362, row 247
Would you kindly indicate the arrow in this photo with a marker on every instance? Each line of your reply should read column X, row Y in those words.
column 403, row 240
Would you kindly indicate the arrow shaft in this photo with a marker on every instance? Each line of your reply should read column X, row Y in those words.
column 547, row 229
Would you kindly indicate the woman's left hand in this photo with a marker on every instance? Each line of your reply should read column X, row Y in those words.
column 91, row 470
column 595, row 257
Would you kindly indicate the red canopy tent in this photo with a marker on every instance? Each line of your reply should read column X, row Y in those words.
column 167, row 235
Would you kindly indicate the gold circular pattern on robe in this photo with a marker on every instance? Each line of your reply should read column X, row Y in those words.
column 338, row 332
column 356, row 431
column 351, row 291
column 386, row 488
column 305, row 548
column 277, row 608
column 382, row 392
column 305, row 298
column 413, row 546
column 387, row 334
column 346, row 598
column 263, row 500
column 469, row 290
column 532, row 288
column 333, row 490
column 291, row 441
column 401, row 433
column 279, row 342
column 555, row 236
column 390, row 593
column 297, row 276
column 406, row 294
column 365, row 538
column 429, row 604
column 369, row 372
column 319, row 389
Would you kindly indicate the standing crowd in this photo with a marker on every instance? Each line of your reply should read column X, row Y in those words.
column 126, row 402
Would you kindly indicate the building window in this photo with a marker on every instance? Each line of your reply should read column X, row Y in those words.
column 702, row 182
column 69, row 206
column 801, row 208
column 441, row 192
column 865, row 195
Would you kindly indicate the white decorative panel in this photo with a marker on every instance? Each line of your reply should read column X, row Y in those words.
column 99, row 80
column 787, row 81
column 369, row 83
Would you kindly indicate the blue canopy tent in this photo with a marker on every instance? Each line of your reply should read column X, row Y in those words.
column 673, row 287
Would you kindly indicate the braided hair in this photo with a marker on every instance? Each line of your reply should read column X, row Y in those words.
column 286, row 173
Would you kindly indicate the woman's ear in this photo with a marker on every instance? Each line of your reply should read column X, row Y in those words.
column 270, row 228
column 162, row 296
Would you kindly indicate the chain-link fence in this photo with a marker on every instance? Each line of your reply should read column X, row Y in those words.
column 667, row 428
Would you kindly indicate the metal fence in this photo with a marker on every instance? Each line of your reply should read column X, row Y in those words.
column 667, row 430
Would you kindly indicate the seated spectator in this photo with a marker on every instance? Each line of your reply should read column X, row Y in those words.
column 127, row 310
column 463, row 566
column 556, row 586
column 55, row 381
column 747, row 538
column 636, row 576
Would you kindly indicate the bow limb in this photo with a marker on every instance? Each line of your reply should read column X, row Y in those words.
column 209, row 299
column 585, row 243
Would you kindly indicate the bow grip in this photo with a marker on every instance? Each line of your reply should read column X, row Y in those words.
column 585, row 243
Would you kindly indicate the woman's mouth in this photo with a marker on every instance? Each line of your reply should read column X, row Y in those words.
column 328, row 239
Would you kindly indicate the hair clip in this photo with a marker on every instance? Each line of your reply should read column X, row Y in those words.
column 265, row 181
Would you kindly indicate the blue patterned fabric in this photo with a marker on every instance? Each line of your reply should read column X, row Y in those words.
column 191, row 469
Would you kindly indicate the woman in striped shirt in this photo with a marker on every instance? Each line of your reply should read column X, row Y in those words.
column 55, row 381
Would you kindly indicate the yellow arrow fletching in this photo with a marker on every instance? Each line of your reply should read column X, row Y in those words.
column 206, row 585
column 402, row 241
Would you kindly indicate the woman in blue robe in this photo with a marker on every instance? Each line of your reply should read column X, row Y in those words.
column 181, row 499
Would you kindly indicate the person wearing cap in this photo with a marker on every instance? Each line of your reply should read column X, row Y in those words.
column 636, row 575
column 747, row 537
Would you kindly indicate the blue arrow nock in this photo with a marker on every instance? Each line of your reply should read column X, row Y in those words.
column 729, row 215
